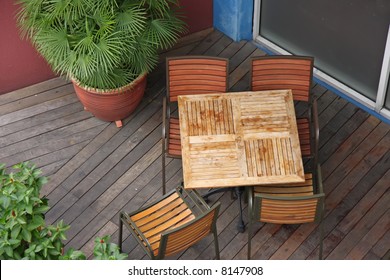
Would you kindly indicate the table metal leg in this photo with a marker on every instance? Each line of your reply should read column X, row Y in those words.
column 240, row 223
column 238, row 192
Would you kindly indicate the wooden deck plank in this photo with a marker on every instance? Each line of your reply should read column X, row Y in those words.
column 354, row 186
column 43, row 157
column 380, row 250
column 121, row 154
column 102, row 148
column 36, row 109
column 367, row 223
column 32, row 90
column 36, row 99
column 52, row 168
column 97, row 170
column 61, row 112
column 70, row 167
column 47, row 127
column 219, row 46
column 206, row 43
column 335, row 133
column 298, row 237
column 368, row 241
column 69, row 128
column 355, row 147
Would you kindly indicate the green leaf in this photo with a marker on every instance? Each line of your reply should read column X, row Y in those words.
column 15, row 231
column 13, row 241
column 31, row 249
column 5, row 202
column 41, row 209
column 21, row 220
column 26, row 235
column 8, row 250
column 36, row 222
column 29, row 208
column 38, row 248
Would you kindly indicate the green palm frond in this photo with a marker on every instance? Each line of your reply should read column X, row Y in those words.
column 156, row 5
column 163, row 32
column 132, row 20
column 144, row 58
column 53, row 45
column 84, row 66
column 101, row 43
column 108, row 52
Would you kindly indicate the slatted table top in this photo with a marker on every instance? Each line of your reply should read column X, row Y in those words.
column 239, row 139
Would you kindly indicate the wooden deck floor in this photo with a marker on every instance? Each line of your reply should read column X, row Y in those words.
column 97, row 170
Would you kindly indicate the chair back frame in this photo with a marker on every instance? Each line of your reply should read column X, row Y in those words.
column 194, row 202
column 286, row 72
column 168, row 104
column 282, row 67
column 214, row 210
column 254, row 206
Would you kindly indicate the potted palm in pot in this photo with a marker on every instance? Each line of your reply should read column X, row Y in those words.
column 105, row 47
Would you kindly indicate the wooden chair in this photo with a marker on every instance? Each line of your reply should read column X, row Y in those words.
column 295, row 73
column 187, row 75
column 175, row 222
column 291, row 204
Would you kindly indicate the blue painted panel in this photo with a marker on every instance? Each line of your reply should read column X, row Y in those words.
column 234, row 18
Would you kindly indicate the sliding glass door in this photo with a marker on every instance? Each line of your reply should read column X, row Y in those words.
column 348, row 39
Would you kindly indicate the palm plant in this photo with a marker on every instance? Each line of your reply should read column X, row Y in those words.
column 102, row 44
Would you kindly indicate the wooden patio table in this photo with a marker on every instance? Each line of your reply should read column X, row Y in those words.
column 239, row 139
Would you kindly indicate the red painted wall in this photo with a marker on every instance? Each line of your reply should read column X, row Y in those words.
column 21, row 65
column 198, row 13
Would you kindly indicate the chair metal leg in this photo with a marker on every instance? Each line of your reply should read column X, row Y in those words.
column 163, row 166
column 216, row 244
column 250, row 216
column 240, row 225
column 120, row 232
column 238, row 191
column 321, row 226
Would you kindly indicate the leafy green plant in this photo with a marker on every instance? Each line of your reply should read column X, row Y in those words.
column 102, row 44
column 103, row 250
column 23, row 232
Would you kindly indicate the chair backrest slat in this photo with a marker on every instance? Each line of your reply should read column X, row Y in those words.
column 283, row 72
column 193, row 75
column 181, row 238
column 287, row 209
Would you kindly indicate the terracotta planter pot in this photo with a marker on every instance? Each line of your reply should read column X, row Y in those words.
column 115, row 104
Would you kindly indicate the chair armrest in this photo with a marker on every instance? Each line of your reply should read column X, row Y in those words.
column 195, row 197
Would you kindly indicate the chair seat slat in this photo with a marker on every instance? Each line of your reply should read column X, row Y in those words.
column 154, row 208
